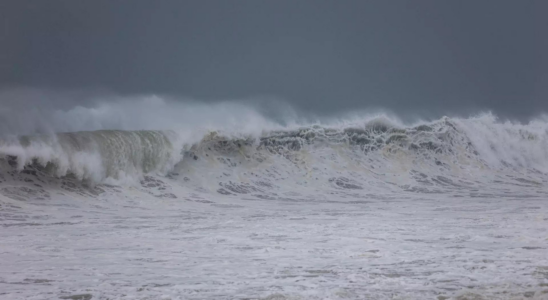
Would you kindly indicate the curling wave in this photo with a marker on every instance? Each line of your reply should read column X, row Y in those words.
column 377, row 146
column 94, row 156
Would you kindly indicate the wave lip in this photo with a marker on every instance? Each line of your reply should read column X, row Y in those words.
column 453, row 143
column 96, row 155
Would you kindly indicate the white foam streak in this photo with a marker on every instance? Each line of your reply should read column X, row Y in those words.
column 126, row 156
column 84, row 165
column 508, row 143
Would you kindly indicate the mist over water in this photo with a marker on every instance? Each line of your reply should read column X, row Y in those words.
column 285, row 196
column 132, row 136
column 128, row 113
column 273, row 150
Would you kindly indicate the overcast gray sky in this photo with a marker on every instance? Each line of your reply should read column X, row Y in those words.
column 323, row 56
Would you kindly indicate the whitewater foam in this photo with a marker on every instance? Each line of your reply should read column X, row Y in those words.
column 451, row 144
column 240, row 206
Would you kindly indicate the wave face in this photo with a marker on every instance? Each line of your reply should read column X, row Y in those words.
column 453, row 208
column 94, row 156
column 373, row 152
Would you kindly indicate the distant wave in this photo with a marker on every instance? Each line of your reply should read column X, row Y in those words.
column 458, row 145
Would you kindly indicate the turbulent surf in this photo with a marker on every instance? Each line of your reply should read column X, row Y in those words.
column 360, row 153
column 354, row 209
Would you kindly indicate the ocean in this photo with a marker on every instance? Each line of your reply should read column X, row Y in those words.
column 371, row 208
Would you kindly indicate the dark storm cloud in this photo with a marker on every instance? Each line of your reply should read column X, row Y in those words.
column 418, row 56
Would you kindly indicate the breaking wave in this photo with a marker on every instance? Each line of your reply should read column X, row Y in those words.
column 346, row 155
column 95, row 155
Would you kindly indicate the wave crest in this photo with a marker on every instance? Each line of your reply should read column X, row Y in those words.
column 452, row 143
column 97, row 155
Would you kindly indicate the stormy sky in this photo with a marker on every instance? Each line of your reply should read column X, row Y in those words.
column 424, row 57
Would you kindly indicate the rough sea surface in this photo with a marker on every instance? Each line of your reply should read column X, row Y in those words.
column 452, row 209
